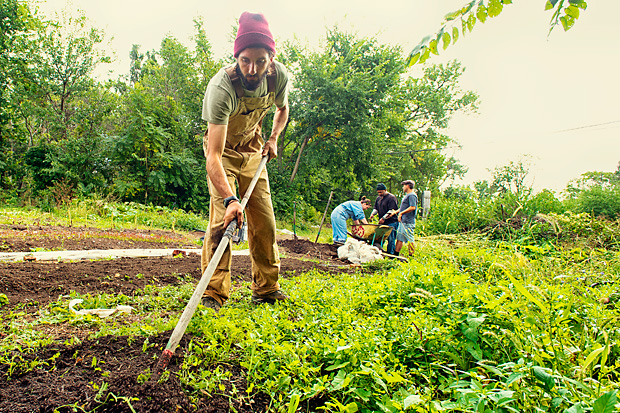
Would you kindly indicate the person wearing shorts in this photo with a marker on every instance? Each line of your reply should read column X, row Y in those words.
column 406, row 218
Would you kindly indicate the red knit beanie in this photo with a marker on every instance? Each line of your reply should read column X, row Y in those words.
column 253, row 31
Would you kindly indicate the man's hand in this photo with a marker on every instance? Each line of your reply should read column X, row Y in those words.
column 271, row 148
column 234, row 211
column 381, row 221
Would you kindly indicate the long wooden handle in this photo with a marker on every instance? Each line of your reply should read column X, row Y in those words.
column 191, row 306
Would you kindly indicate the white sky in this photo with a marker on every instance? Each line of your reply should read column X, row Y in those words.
column 531, row 86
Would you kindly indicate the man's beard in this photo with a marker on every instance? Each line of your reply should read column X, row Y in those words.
column 251, row 84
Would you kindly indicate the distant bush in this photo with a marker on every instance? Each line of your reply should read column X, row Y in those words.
column 452, row 215
column 462, row 210
column 599, row 201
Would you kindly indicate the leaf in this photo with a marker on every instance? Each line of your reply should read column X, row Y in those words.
column 513, row 377
column 495, row 8
column 433, row 46
column 481, row 14
column 572, row 11
column 446, row 40
column 548, row 5
column 338, row 366
column 351, row 408
column 567, row 22
column 606, row 403
column 591, row 357
column 455, row 35
column 471, row 22
column 412, row 400
column 526, row 293
column 294, row 403
column 341, row 380
column 451, row 16
column 413, row 59
column 394, row 378
column 475, row 351
column 474, row 321
column 541, row 374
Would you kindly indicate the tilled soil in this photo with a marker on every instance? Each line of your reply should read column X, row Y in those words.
column 69, row 377
column 23, row 238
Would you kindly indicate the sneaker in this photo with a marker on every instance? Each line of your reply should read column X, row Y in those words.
column 211, row 302
column 270, row 298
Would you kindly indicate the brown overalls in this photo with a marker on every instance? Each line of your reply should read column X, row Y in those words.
column 242, row 154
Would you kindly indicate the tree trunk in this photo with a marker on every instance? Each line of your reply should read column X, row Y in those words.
column 303, row 145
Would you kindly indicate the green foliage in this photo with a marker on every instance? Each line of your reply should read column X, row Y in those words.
column 4, row 300
column 565, row 13
column 597, row 193
column 451, row 214
column 467, row 325
column 356, row 118
column 454, row 330
column 340, row 97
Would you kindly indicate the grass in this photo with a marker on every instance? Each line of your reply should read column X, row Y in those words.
column 468, row 325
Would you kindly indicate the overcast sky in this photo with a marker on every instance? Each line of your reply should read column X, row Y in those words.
column 553, row 98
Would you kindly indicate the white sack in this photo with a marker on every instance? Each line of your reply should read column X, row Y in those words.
column 358, row 252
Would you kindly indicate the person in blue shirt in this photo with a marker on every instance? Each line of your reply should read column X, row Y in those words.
column 348, row 210
column 406, row 218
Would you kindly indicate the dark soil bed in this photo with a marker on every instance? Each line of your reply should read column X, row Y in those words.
column 113, row 374
column 71, row 378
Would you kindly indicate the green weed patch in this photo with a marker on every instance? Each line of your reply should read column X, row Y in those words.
column 463, row 327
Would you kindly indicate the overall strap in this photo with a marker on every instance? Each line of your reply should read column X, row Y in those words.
column 235, row 80
column 271, row 78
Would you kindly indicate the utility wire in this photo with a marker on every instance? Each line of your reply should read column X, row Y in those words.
column 588, row 126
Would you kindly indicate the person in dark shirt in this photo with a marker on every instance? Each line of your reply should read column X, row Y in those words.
column 385, row 203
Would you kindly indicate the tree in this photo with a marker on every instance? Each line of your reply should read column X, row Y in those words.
column 158, row 151
column 16, row 22
column 63, row 57
column 597, row 193
column 415, row 142
column 565, row 12
column 357, row 118
column 339, row 99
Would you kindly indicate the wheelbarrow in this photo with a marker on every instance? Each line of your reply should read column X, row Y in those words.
column 372, row 234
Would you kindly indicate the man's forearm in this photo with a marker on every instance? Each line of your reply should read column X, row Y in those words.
column 216, row 173
column 409, row 210
column 279, row 122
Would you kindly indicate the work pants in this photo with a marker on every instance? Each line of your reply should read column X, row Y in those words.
column 339, row 225
column 240, row 169
column 391, row 241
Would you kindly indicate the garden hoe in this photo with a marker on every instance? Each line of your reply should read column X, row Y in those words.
column 191, row 306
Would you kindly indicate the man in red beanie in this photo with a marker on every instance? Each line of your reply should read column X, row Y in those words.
column 235, row 103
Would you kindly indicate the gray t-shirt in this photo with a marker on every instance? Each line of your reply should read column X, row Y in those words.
column 220, row 100
column 411, row 199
